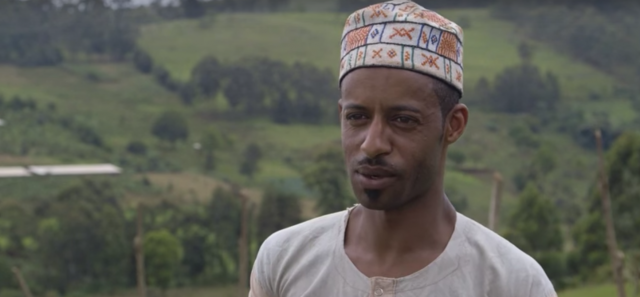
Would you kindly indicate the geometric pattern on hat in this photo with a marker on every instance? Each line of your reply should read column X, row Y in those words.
column 403, row 34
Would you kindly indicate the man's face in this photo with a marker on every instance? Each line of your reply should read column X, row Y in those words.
column 392, row 135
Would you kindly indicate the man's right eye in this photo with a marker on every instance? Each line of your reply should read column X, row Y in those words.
column 355, row 117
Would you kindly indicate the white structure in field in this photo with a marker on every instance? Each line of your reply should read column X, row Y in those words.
column 59, row 170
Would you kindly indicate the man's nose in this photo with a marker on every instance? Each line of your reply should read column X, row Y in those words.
column 377, row 141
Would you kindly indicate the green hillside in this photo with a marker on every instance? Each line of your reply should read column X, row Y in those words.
column 121, row 103
column 490, row 46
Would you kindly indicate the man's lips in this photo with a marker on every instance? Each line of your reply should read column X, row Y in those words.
column 374, row 178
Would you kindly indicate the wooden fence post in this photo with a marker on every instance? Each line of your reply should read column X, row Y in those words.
column 138, row 244
column 494, row 208
column 606, row 212
column 23, row 284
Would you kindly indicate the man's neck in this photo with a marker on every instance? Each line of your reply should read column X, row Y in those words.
column 420, row 231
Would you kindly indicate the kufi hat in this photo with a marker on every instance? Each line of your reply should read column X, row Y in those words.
column 402, row 34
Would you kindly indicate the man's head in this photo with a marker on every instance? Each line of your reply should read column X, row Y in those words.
column 398, row 115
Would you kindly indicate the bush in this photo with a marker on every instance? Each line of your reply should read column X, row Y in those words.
column 137, row 147
column 171, row 126
column 457, row 157
column 143, row 61
column 555, row 266
column 523, row 137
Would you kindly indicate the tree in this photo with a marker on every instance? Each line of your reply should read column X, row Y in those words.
column 171, row 126
column 243, row 88
column 328, row 178
column 282, row 109
column 211, row 141
column 223, row 213
column 163, row 253
column 534, row 227
column 208, row 75
column 523, row 89
column 278, row 210
column 193, row 8
column 589, row 234
column 82, row 239
column 252, row 156
column 143, row 61
column 459, row 200
column 137, row 147
column 525, row 51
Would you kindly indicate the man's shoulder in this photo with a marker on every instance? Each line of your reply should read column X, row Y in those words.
column 312, row 232
column 508, row 267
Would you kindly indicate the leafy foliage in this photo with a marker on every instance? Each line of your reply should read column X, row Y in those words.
column 171, row 126
column 534, row 227
column 328, row 178
column 279, row 210
column 523, row 89
column 83, row 239
column 162, row 252
column 298, row 93
column 252, row 155
column 583, row 24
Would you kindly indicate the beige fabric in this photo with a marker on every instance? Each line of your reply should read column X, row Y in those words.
column 308, row 260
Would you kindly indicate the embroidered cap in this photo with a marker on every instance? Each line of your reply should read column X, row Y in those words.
column 405, row 35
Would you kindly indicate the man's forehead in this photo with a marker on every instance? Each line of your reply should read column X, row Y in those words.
column 385, row 81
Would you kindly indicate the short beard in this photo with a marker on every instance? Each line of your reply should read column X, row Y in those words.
column 373, row 194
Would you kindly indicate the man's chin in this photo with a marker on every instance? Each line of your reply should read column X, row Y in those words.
column 376, row 200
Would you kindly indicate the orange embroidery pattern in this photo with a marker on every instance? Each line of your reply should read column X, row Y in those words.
column 376, row 53
column 431, row 61
column 425, row 37
column 407, row 56
column 357, row 38
column 458, row 76
column 392, row 53
column 432, row 17
column 348, row 22
column 360, row 54
column 447, row 68
column 402, row 32
column 378, row 12
column 407, row 8
column 357, row 18
column 448, row 46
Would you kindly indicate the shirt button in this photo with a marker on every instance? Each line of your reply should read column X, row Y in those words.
column 379, row 292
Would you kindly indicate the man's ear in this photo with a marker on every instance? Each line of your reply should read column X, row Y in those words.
column 456, row 123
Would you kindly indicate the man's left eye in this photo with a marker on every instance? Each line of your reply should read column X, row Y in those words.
column 404, row 120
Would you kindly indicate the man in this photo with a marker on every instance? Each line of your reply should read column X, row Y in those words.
column 401, row 80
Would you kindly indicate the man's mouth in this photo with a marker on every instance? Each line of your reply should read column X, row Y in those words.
column 375, row 178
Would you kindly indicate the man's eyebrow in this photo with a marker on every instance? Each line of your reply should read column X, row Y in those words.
column 402, row 107
column 355, row 106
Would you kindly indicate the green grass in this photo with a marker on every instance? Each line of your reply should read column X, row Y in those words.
column 490, row 45
column 606, row 290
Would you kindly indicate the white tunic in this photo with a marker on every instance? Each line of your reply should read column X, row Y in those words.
column 308, row 260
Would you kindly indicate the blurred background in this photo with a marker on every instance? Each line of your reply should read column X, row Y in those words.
column 214, row 124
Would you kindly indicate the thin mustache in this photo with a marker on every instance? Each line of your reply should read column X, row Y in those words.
column 377, row 162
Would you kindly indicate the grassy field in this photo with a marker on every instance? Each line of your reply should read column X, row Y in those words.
column 607, row 290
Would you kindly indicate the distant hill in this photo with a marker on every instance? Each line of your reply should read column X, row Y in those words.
column 121, row 104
